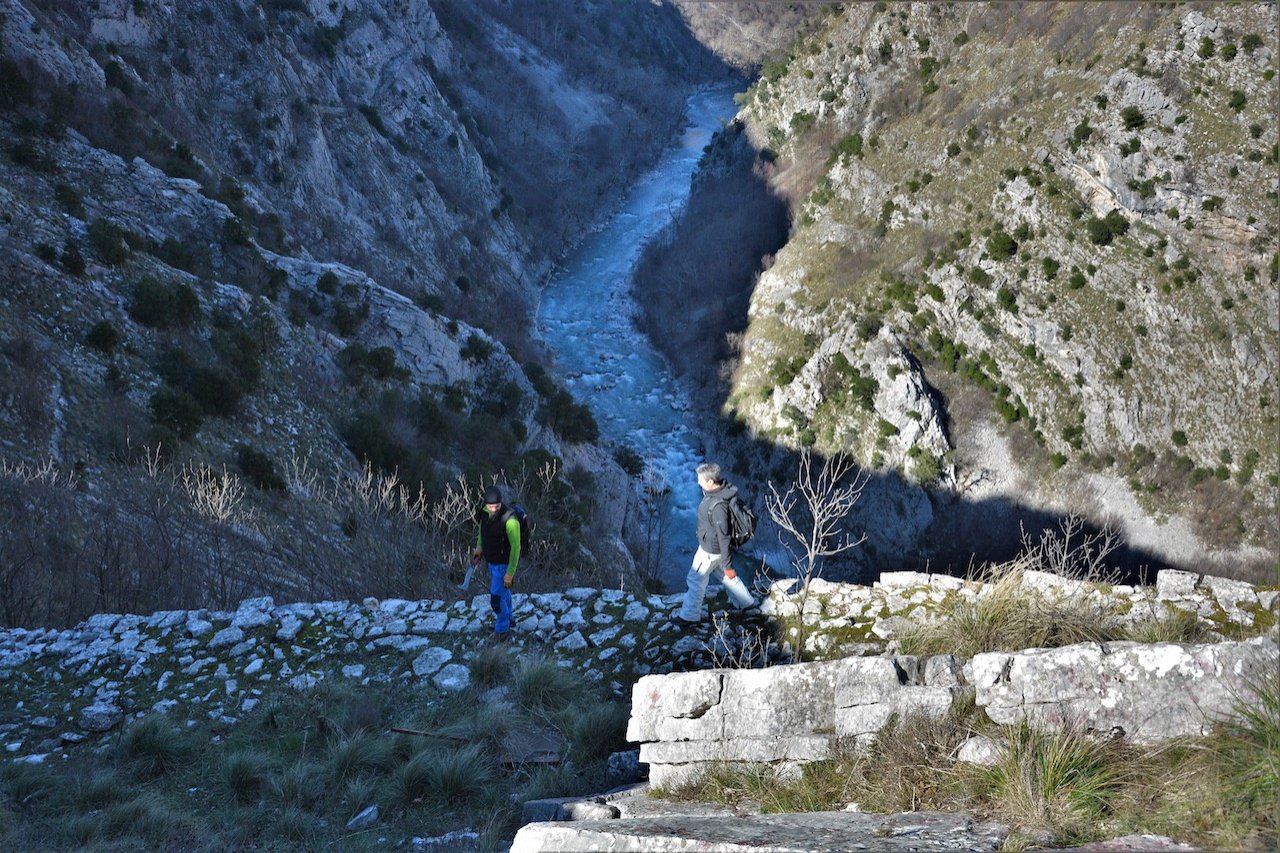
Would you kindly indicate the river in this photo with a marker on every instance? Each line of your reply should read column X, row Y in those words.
column 587, row 317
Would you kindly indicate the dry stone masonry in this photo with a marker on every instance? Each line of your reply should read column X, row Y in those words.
column 785, row 716
column 67, row 687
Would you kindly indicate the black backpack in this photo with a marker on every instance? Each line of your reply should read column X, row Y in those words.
column 522, row 517
column 742, row 522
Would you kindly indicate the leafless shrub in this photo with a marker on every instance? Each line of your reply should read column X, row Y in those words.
column 810, row 515
column 1071, row 551
column 654, row 522
column 46, row 473
column 216, row 496
column 733, row 647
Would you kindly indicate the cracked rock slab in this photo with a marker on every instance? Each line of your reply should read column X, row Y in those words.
column 813, row 832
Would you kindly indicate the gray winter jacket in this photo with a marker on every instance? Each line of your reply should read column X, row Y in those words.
column 713, row 521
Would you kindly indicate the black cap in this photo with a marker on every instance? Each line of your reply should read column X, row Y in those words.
column 492, row 495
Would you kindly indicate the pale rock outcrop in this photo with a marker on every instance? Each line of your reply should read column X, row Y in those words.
column 813, row 832
column 1145, row 693
column 779, row 715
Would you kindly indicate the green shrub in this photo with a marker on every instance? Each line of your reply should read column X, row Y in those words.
column 1049, row 267
column 1237, row 100
column 108, row 242
column 240, row 350
column 14, row 87
column 1081, row 134
column 25, row 153
column 802, row 120
column 347, row 319
column 103, row 336
column 366, row 435
column 176, row 410
column 1007, row 300
column 359, row 362
column 980, row 277
column 258, row 468
column 1001, row 246
column 163, row 305
column 847, row 383
column 214, row 388
column 1251, row 42
column 69, row 197
column 327, row 283
column 850, row 145
column 1132, row 118
column 629, row 460
column 1103, row 231
column 571, row 420
column 1207, row 48
column 476, row 349
column 190, row 256
column 783, row 371
column 72, row 260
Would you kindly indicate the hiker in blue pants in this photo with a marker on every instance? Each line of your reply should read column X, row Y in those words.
column 498, row 544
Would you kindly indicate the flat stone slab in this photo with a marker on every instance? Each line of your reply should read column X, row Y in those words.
column 813, row 832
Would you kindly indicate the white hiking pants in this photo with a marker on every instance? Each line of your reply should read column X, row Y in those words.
column 697, row 580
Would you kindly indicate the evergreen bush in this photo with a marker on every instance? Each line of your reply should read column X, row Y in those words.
column 259, row 469
column 108, row 242
column 103, row 336
column 163, row 305
column 176, row 410
column 1001, row 246
column 1132, row 118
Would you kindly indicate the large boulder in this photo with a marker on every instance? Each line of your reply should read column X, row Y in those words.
column 1147, row 693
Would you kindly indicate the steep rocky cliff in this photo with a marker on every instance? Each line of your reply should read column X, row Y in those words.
column 248, row 248
column 1032, row 271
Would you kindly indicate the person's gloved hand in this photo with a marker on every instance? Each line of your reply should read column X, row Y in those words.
column 507, row 580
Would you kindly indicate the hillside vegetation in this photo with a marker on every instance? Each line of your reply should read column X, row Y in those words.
column 1033, row 267
column 267, row 276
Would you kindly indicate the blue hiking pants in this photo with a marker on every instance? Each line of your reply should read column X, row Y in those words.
column 499, row 597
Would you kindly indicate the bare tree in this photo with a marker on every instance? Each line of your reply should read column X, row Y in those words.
column 655, row 520
column 809, row 516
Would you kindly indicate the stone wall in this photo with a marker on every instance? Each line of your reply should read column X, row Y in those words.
column 788, row 715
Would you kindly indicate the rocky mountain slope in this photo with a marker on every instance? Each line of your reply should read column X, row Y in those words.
column 249, row 248
column 1032, row 271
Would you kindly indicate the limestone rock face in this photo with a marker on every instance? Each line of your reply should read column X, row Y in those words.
column 780, row 715
column 1147, row 693
column 1066, row 359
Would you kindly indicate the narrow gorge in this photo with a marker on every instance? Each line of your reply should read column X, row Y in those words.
column 286, row 284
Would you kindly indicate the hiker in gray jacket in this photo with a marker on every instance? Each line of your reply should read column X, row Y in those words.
column 714, row 554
